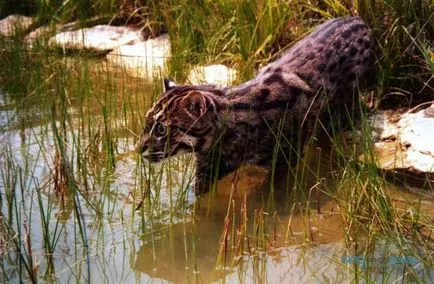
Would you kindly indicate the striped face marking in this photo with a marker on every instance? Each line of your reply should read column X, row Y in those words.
column 178, row 123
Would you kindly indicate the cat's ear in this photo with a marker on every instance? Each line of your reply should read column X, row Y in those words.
column 168, row 85
column 194, row 104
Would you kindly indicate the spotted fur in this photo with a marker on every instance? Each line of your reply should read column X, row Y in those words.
column 267, row 118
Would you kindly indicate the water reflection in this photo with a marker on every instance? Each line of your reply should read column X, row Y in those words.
column 243, row 217
column 250, row 231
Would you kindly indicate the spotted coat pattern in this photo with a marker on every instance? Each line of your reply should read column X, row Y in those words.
column 266, row 119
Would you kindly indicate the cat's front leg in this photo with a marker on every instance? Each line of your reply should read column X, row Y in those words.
column 202, row 177
column 207, row 173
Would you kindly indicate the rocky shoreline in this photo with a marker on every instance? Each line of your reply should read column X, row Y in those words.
column 403, row 144
column 122, row 46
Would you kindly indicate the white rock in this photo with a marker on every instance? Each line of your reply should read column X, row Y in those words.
column 419, row 162
column 41, row 34
column 217, row 74
column 101, row 38
column 44, row 33
column 145, row 59
column 407, row 143
column 14, row 23
column 418, row 132
column 382, row 127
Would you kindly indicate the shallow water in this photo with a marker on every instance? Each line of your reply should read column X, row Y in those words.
column 70, row 179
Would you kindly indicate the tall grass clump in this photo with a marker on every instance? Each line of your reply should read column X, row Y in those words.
column 77, row 117
column 404, row 32
column 239, row 33
column 373, row 221
column 247, row 34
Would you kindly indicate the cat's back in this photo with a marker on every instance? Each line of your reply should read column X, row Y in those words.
column 333, row 55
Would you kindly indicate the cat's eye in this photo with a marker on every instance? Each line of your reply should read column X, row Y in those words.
column 160, row 129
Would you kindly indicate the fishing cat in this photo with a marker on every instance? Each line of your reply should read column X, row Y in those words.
column 266, row 119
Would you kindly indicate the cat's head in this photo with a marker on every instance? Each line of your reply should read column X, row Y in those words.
column 182, row 120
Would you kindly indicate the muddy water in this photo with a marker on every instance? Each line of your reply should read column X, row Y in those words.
column 293, row 238
column 142, row 222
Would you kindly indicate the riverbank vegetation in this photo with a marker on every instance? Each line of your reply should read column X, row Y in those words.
column 248, row 34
